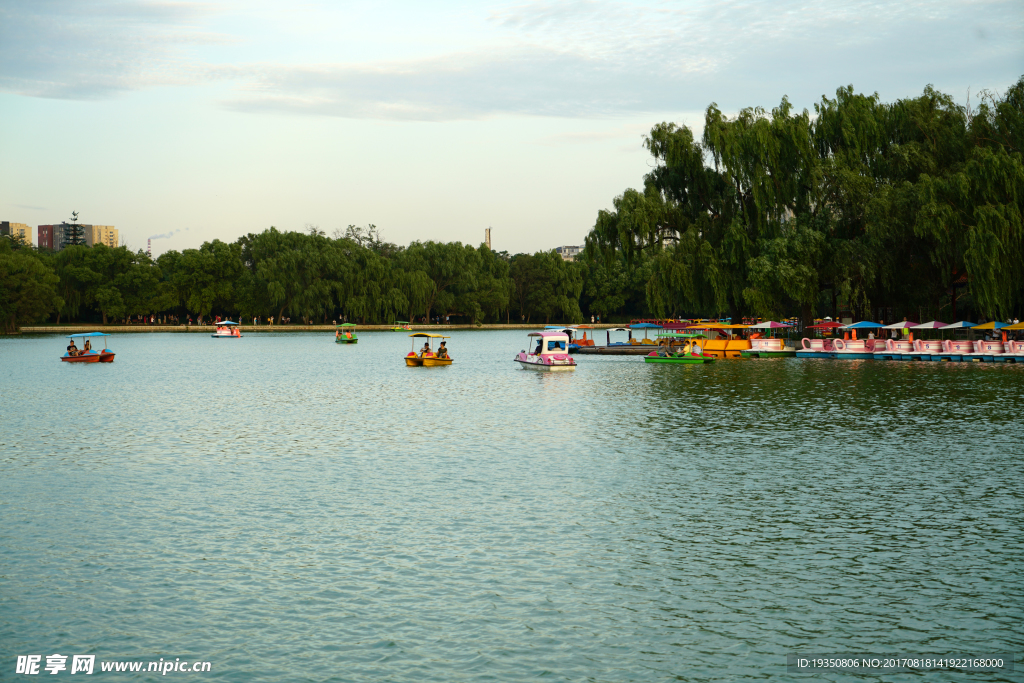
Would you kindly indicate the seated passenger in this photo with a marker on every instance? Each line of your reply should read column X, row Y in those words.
column 72, row 349
column 536, row 351
column 425, row 351
column 88, row 346
column 442, row 351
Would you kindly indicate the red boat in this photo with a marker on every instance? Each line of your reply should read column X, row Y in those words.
column 88, row 355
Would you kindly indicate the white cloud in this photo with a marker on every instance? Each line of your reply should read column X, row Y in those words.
column 89, row 49
column 582, row 58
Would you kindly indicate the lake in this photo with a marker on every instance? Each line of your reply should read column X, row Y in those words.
column 287, row 508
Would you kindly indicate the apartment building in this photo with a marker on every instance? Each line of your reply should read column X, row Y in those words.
column 100, row 234
column 55, row 236
column 568, row 253
column 16, row 231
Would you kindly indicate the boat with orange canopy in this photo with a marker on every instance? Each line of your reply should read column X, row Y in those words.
column 726, row 345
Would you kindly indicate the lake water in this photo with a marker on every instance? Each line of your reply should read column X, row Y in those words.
column 290, row 509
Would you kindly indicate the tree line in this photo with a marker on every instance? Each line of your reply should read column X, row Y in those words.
column 876, row 208
column 276, row 275
column 911, row 208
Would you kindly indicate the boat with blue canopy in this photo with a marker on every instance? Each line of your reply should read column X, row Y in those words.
column 86, row 354
column 227, row 329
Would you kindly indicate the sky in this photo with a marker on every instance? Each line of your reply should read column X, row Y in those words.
column 193, row 121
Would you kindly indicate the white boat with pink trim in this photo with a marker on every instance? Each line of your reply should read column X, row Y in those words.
column 550, row 352
column 894, row 349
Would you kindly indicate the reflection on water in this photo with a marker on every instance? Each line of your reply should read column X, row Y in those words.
column 280, row 503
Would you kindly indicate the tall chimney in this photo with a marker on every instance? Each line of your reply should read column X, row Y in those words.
column 487, row 237
column 149, row 248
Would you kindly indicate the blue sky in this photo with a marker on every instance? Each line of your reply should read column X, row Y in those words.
column 197, row 120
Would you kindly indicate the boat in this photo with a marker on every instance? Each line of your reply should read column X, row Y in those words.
column 853, row 348
column 646, row 327
column 818, row 348
column 401, row 325
column 89, row 356
column 1014, row 350
column 227, row 330
column 990, row 350
column 770, row 347
column 893, row 349
column 427, row 357
column 630, row 347
column 726, row 346
column 689, row 353
column 551, row 353
column 580, row 338
column 954, row 350
column 346, row 334
column 815, row 348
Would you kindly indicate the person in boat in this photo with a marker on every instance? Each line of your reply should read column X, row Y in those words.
column 442, row 351
column 72, row 349
column 425, row 351
column 337, row 335
column 88, row 346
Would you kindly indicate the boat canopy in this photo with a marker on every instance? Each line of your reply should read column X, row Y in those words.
column 347, row 325
column 645, row 326
column 677, row 335
column 824, row 326
column 900, row 326
column 547, row 333
column 863, row 325
column 718, row 326
column 933, row 325
column 993, row 325
column 428, row 334
column 225, row 322
column 1014, row 328
column 959, row 325
column 88, row 334
column 617, row 329
column 769, row 325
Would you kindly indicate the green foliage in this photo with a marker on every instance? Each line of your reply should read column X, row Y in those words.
column 881, row 205
column 28, row 287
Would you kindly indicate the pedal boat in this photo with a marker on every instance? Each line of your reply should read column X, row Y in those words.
column 91, row 356
column 768, row 346
column 401, row 325
column 426, row 358
column 689, row 353
column 346, row 334
column 550, row 355
column 227, row 330
column 726, row 345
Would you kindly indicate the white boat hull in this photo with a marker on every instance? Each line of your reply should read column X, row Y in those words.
column 545, row 362
column 543, row 367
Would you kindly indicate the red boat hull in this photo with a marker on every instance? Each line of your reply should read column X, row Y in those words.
column 86, row 358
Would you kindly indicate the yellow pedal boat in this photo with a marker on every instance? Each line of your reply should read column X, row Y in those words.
column 427, row 356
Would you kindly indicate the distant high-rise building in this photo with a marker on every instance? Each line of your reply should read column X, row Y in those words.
column 58, row 235
column 487, row 237
column 568, row 253
column 100, row 234
column 45, row 236
column 16, row 231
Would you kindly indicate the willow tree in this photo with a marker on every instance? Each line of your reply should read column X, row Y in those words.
column 28, row 287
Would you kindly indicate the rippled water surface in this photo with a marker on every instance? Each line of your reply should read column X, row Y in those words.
column 291, row 509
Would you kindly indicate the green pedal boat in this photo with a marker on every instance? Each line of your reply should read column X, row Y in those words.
column 346, row 334
column 685, row 359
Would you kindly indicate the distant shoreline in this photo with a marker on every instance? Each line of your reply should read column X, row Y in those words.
column 118, row 329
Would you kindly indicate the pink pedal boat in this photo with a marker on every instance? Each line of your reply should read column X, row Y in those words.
column 551, row 353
